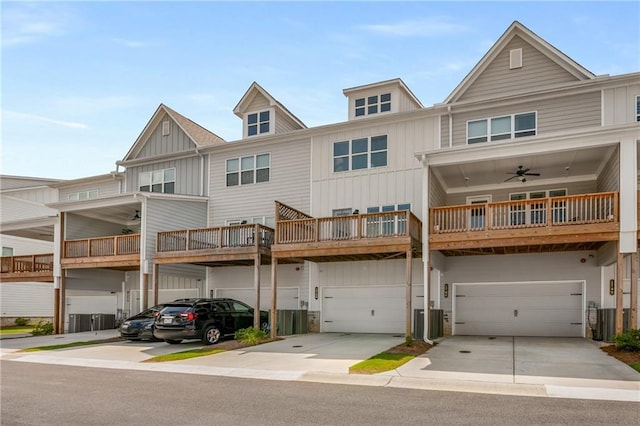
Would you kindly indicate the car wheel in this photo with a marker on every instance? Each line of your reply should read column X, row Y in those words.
column 173, row 342
column 211, row 335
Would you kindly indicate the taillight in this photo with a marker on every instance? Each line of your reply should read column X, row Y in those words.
column 189, row 316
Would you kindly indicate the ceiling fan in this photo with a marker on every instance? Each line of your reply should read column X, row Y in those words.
column 520, row 173
column 137, row 215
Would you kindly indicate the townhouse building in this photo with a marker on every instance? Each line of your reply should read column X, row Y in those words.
column 511, row 208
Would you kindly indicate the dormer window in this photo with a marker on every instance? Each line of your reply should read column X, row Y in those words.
column 258, row 123
column 373, row 104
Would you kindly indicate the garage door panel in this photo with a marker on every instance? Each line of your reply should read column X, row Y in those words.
column 519, row 309
column 363, row 309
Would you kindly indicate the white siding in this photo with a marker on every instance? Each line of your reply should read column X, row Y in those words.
column 169, row 215
column 288, row 183
column 27, row 300
column 537, row 71
column 26, row 204
column 619, row 105
column 609, row 179
column 24, row 246
column 105, row 188
column 177, row 141
column 397, row 183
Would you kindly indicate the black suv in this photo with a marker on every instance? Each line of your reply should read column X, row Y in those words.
column 208, row 320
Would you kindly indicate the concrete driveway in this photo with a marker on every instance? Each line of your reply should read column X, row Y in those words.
column 521, row 360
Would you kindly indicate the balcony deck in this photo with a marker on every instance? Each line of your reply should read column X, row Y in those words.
column 234, row 245
column 120, row 252
column 34, row 267
column 577, row 222
column 370, row 236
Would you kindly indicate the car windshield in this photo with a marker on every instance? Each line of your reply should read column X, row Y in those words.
column 151, row 312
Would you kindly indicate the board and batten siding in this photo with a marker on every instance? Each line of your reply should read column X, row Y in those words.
column 609, row 177
column 188, row 175
column 27, row 300
column 619, row 105
column 175, row 142
column 288, row 183
column 171, row 215
column 398, row 183
column 553, row 115
column 559, row 266
column 498, row 80
column 104, row 188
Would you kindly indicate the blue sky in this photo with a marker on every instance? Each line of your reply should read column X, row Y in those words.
column 80, row 80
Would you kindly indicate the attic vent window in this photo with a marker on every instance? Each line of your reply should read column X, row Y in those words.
column 515, row 58
column 166, row 128
column 373, row 104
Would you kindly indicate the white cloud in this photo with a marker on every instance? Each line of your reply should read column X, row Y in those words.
column 13, row 115
column 416, row 28
column 29, row 23
column 134, row 44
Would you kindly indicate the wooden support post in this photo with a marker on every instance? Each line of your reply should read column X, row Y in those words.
column 145, row 291
column 619, row 291
column 155, row 282
column 256, row 283
column 633, row 309
column 274, row 292
column 409, row 277
column 63, row 298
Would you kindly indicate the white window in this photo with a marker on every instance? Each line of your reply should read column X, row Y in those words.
column 637, row 108
column 362, row 153
column 158, row 181
column 248, row 170
column 373, row 104
column 83, row 195
column 258, row 123
column 503, row 127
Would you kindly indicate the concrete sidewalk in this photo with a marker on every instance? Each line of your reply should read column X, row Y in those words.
column 509, row 366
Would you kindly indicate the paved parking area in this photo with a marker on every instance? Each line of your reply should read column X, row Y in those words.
column 557, row 367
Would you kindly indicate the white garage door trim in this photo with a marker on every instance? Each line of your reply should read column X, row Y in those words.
column 503, row 324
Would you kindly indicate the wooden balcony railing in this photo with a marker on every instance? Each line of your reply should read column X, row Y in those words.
column 215, row 238
column 117, row 245
column 26, row 263
column 542, row 212
column 353, row 227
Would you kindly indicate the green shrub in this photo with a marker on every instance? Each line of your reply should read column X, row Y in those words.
column 628, row 341
column 250, row 335
column 42, row 328
column 408, row 341
column 22, row 321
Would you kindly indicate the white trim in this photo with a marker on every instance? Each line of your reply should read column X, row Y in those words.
column 474, row 198
column 272, row 123
column 454, row 287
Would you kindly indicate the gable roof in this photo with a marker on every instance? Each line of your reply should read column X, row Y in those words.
column 252, row 92
column 199, row 135
column 517, row 29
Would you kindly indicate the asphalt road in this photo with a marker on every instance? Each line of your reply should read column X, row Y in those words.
column 39, row 394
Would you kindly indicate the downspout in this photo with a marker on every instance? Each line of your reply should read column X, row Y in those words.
column 144, row 264
column 426, row 258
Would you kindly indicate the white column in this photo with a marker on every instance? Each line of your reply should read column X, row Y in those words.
column 628, row 195
column 426, row 264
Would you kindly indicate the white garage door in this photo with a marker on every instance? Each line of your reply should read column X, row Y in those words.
column 363, row 309
column 286, row 298
column 519, row 309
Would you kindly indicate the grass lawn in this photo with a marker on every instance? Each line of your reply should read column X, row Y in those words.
column 16, row 330
column 70, row 345
column 382, row 362
column 191, row 353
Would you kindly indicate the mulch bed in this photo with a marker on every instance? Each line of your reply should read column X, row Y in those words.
column 418, row 347
column 628, row 357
